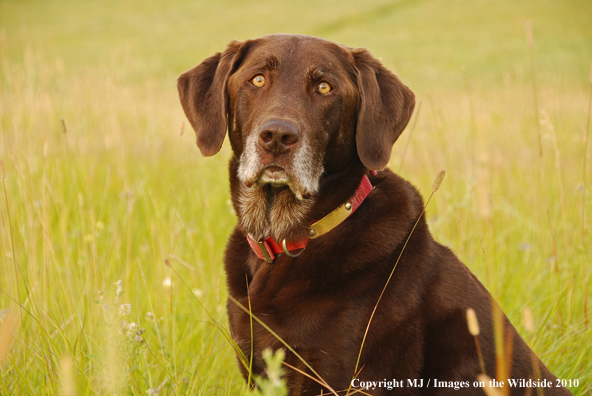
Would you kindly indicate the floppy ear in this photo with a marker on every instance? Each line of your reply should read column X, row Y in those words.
column 204, row 98
column 386, row 105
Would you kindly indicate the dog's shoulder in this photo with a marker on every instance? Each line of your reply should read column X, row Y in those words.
column 427, row 264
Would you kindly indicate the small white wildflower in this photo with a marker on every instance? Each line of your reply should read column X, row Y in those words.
column 119, row 290
column 152, row 391
column 167, row 282
column 125, row 309
column 131, row 331
column 525, row 247
column 150, row 317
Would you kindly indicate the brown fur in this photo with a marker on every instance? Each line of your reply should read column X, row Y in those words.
column 320, row 302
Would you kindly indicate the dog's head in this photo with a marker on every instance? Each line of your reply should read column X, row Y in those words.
column 296, row 107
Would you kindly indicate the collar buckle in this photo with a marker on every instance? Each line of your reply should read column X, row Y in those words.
column 261, row 249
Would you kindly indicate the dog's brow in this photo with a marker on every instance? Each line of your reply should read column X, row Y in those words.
column 314, row 73
column 272, row 63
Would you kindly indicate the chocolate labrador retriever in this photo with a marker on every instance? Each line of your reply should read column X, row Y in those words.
column 322, row 224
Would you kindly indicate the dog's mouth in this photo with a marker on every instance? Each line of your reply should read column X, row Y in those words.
column 278, row 177
column 274, row 175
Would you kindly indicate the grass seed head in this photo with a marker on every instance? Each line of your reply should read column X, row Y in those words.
column 472, row 322
column 529, row 39
column 438, row 181
column 489, row 390
column 528, row 320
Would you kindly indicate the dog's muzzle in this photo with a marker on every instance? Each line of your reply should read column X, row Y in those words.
column 279, row 154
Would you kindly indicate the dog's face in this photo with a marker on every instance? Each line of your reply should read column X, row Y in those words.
column 294, row 105
column 296, row 108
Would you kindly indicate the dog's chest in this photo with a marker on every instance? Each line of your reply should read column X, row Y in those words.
column 306, row 308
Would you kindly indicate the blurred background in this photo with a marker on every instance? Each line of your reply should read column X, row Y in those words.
column 102, row 185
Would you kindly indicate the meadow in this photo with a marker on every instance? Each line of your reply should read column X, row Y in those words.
column 113, row 227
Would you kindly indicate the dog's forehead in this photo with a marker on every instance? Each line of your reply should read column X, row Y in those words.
column 299, row 51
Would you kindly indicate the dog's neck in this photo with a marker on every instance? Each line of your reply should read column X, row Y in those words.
column 268, row 211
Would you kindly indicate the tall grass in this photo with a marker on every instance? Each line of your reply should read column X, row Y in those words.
column 101, row 184
column 86, row 210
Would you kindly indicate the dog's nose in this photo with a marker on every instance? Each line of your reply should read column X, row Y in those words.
column 278, row 136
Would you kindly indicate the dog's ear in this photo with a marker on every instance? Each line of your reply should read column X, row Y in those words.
column 204, row 97
column 386, row 105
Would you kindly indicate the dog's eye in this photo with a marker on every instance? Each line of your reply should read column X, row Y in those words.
column 324, row 88
column 258, row 81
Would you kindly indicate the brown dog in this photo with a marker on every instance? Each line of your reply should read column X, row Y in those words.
column 319, row 232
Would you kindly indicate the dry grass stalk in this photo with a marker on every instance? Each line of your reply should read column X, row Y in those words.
column 435, row 187
column 501, row 351
column 548, row 123
column 63, row 125
column 113, row 374
column 473, row 123
column 16, row 266
column 530, row 41
column 417, row 110
column 484, row 201
column 584, row 222
column 7, row 334
column 67, row 380
column 529, row 326
column 483, row 177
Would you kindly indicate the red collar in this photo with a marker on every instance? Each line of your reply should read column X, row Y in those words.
column 267, row 248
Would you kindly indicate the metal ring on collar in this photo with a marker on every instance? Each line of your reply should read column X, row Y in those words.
column 287, row 252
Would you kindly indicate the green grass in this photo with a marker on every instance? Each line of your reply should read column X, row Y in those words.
column 120, row 190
